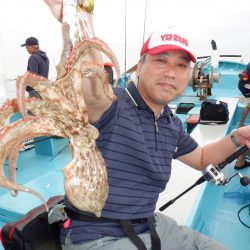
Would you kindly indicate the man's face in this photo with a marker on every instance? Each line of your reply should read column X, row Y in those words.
column 163, row 77
column 30, row 49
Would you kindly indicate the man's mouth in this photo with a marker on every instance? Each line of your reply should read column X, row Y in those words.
column 167, row 85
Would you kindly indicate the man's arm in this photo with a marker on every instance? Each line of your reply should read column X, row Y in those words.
column 95, row 98
column 215, row 153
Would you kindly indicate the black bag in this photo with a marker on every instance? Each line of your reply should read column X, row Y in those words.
column 33, row 232
column 214, row 112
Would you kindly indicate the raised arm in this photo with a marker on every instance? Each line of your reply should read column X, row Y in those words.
column 97, row 101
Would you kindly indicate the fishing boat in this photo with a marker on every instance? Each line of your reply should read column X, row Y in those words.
column 208, row 208
column 218, row 211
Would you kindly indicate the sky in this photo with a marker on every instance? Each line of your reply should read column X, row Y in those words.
column 124, row 25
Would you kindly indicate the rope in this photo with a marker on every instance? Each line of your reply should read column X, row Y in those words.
column 145, row 18
column 125, row 37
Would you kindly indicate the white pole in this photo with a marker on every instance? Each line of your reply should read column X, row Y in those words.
column 3, row 92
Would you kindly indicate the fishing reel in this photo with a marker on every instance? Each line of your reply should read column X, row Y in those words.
column 214, row 175
column 203, row 83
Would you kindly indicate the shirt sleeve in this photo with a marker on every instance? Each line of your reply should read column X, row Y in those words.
column 186, row 143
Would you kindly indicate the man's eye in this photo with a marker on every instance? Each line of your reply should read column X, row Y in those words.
column 161, row 60
column 181, row 66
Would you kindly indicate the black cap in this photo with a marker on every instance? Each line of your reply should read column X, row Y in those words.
column 30, row 42
column 247, row 70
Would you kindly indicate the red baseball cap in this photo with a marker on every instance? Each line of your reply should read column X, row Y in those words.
column 159, row 42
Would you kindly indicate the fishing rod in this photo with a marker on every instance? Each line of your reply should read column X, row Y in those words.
column 214, row 175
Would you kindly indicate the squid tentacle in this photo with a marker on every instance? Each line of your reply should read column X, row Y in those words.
column 22, row 81
column 94, row 43
column 8, row 108
column 94, row 70
column 29, row 127
column 62, row 111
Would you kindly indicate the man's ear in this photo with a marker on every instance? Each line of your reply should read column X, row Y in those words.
column 138, row 68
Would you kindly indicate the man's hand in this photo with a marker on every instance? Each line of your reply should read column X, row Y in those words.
column 56, row 8
column 243, row 135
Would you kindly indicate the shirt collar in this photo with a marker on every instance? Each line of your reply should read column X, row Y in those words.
column 140, row 103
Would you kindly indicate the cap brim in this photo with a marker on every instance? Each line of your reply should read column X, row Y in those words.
column 165, row 47
column 23, row 45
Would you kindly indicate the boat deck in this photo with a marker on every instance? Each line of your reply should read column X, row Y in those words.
column 42, row 173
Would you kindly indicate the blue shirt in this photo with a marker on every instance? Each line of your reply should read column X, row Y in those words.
column 38, row 63
column 138, row 151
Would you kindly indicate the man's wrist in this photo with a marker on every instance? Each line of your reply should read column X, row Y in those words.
column 234, row 138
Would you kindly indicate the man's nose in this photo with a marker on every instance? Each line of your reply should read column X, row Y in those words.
column 170, row 70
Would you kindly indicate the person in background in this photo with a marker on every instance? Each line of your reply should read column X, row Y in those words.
column 139, row 137
column 108, row 68
column 244, row 87
column 242, row 161
column 38, row 62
